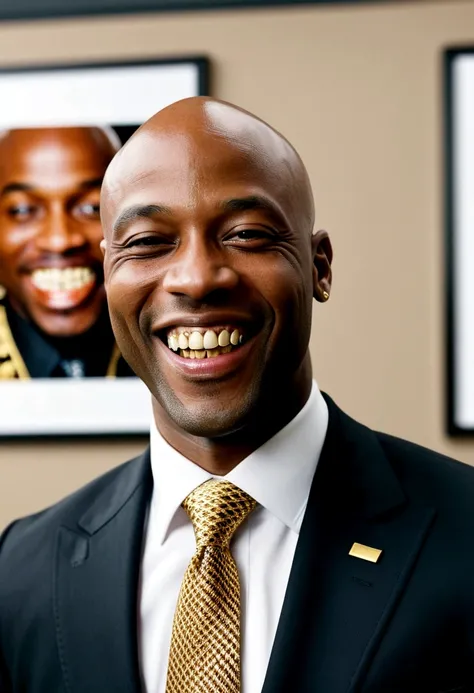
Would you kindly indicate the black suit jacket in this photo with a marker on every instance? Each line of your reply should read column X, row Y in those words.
column 69, row 577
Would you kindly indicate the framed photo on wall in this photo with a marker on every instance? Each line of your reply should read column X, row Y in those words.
column 61, row 372
column 459, row 208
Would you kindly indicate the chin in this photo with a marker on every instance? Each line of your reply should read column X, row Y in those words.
column 206, row 419
column 61, row 329
column 210, row 424
column 64, row 325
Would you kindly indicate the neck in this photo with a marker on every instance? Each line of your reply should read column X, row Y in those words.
column 222, row 454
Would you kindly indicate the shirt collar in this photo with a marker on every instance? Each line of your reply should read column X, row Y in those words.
column 277, row 475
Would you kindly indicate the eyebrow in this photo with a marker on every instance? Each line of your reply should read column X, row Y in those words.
column 15, row 187
column 27, row 187
column 131, row 214
column 92, row 183
column 252, row 202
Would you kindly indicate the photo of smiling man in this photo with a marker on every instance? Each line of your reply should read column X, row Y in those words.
column 61, row 372
column 54, row 319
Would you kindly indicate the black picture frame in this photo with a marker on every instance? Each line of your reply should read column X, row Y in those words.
column 458, row 106
column 49, row 9
column 51, row 408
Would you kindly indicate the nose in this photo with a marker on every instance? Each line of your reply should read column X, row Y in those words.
column 60, row 233
column 198, row 270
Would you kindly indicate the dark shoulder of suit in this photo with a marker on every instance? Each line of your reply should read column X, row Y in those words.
column 30, row 648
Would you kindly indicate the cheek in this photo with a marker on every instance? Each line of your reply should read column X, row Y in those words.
column 12, row 237
column 11, row 246
column 283, row 283
column 286, row 287
column 127, row 289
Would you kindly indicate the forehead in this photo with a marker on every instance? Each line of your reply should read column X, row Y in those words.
column 35, row 154
column 192, row 170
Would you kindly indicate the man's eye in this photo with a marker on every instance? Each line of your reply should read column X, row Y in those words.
column 22, row 212
column 90, row 210
column 248, row 235
column 146, row 241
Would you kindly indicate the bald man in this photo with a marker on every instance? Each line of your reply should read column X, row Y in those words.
column 53, row 313
column 266, row 541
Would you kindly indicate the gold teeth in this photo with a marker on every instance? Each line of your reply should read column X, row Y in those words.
column 55, row 279
column 205, row 353
column 204, row 342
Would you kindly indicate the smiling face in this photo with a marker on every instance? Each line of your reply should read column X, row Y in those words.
column 50, row 230
column 209, row 266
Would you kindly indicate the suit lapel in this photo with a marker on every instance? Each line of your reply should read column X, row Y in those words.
column 96, row 585
column 336, row 607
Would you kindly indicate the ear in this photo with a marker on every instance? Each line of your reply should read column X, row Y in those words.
column 103, row 246
column 322, row 259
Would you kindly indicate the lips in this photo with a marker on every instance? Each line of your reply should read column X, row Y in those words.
column 207, row 345
column 62, row 288
column 217, row 366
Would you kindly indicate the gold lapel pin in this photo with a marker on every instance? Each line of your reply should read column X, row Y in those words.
column 366, row 553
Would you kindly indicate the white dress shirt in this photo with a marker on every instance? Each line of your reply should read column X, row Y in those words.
column 278, row 476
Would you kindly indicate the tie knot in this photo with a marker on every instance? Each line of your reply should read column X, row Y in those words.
column 216, row 509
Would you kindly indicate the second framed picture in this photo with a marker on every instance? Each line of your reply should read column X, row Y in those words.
column 60, row 370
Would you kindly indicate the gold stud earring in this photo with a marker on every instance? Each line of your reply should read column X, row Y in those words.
column 325, row 295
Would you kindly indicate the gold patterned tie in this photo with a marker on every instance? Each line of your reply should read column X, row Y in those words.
column 205, row 643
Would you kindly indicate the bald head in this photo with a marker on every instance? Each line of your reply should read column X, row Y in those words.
column 207, row 215
column 203, row 127
column 102, row 142
column 100, row 135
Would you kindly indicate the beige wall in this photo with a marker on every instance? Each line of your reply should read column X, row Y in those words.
column 358, row 92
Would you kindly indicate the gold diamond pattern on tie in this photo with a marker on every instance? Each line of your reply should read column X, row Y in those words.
column 205, row 643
